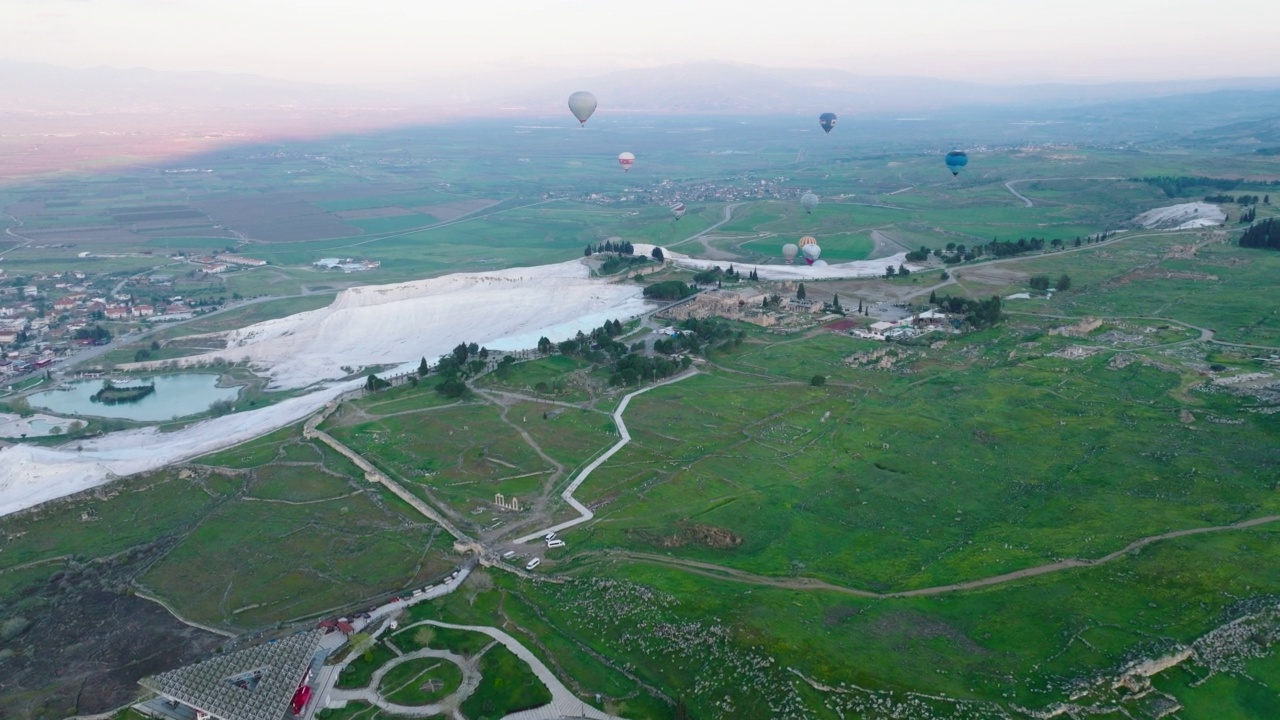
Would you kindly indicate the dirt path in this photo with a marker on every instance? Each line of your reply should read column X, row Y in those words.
column 539, row 508
column 721, row 572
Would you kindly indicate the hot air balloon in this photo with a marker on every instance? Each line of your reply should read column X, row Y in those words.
column 956, row 159
column 808, row 201
column 811, row 252
column 789, row 252
column 582, row 104
column 626, row 160
column 678, row 210
column 827, row 121
column 808, row 240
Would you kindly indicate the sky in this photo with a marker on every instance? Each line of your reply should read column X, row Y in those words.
column 390, row 41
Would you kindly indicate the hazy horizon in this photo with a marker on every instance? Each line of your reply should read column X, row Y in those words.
column 341, row 42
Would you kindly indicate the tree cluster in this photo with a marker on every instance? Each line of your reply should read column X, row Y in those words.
column 716, row 274
column 618, row 262
column 978, row 313
column 633, row 368
column 1249, row 215
column 919, row 255
column 98, row 334
column 668, row 290
column 1043, row 282
column 1007, row 248
column 1183, row 185
column 1265, row 234
column 609, row 246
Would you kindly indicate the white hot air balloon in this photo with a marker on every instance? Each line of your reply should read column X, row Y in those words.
column 626, row 160
column 678, row 210
column 808, row 201
column 582, row 104
column 811, row 253
column 789, row 252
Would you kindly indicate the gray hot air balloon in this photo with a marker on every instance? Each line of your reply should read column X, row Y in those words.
column 811, row 253
column 582, row 104
column 789, row 252
column 808, row 201
column 678, row 210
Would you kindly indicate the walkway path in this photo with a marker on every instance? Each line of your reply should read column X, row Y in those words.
column 372, row 474
column 373, row 696
column 727, row 573
column 585, row 514
column 564, row 704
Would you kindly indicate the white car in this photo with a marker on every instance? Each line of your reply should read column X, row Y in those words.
column 549, row 536
column 533, row 564
column 555, row 543
column 508, row 554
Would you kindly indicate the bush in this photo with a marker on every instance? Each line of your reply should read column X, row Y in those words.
column 818, row 380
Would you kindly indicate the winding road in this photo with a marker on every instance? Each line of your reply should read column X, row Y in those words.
column 1009, row 185
column 584, row 513
column 728, row 215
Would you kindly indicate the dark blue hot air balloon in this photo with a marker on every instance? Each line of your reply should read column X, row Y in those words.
column 956, row 159
column 827, row 121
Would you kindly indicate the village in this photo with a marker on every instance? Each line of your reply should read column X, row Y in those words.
column 48, row 317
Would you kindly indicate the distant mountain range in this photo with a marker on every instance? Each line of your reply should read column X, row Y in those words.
column 39, row 88
column 723, row 88
column 699, row 88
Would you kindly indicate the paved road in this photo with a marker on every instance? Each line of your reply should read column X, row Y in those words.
column 1017, row 194
column 1009, row 185
column 584, row 513
column 728, row 215
column 884, row 246
column 9, row 231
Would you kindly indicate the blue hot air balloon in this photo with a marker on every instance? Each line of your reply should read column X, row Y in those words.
column 827, row 120
column 956, row 159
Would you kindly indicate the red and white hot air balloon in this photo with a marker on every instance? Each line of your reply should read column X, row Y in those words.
column 626, row 160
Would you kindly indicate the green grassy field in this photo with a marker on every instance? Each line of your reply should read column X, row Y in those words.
column 507, row 685
column 420, row 682
column 752, row 545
